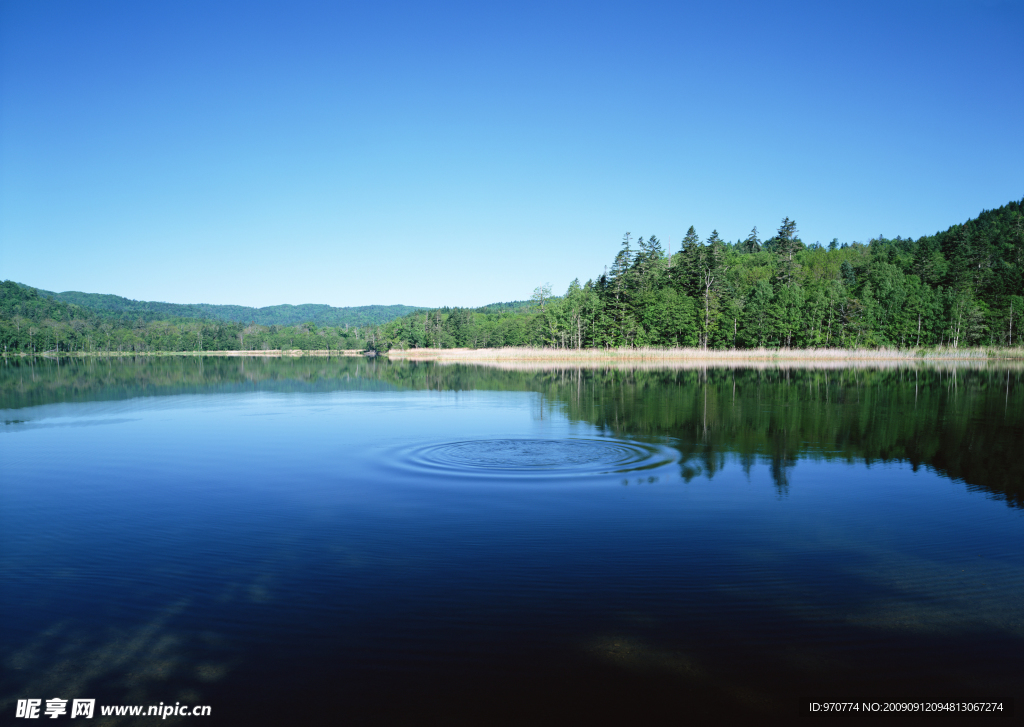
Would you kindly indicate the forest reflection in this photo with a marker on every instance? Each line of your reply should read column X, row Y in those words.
column 964, row 421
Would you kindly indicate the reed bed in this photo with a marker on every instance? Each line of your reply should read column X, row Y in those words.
column 699, row 356
column 908, row 364
column 646, row 357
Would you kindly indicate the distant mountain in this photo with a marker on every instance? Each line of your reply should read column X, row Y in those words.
column 117, row 308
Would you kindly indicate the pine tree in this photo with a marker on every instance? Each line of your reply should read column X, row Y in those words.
column 710, row 267
column 785, row 245
column 647, row 263
column 848, row 275
column 752, row 244
column 685, row 271
column 621, row 284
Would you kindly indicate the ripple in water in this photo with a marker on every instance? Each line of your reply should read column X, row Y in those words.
column 544, row 457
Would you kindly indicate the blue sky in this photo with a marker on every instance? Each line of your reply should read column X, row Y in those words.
column 458, row 154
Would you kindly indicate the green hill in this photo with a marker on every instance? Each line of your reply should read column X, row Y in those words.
column 960, row 287
column 115, row 307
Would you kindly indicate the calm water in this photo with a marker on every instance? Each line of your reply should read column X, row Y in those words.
column 302, row 541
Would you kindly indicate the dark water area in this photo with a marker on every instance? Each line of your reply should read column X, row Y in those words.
column 305, row 541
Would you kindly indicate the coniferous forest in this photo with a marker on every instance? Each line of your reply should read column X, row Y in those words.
column 957, row 288
column 961, row 287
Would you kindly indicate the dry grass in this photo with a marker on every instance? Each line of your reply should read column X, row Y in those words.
column 523, row 358
column 948, row 364
column 699, row 356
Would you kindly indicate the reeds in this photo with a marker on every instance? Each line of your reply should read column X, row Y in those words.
column 648, row 356
column 702, row 356
column 941, row 364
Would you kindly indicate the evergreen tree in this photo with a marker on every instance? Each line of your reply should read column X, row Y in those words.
column 621, row 287
column 759, row 328
column 648, row 262
column 685, row 269
column 848, row 274
column 785, row 245
column 710, row 269
column 752, row 244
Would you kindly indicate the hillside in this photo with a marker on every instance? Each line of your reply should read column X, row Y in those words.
column 33, row 320
column 960, row 287
column 116, row 307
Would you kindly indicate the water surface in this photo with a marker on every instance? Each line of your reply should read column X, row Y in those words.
column 400, row 543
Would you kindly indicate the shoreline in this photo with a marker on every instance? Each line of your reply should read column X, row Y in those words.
column 273, row 353
column 513, row 354
column 697, row 355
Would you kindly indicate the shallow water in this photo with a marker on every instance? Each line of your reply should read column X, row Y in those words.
column 303, row 541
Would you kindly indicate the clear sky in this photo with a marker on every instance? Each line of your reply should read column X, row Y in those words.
column 439, row 153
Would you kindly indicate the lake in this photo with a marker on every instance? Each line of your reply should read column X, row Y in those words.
column 300, row 541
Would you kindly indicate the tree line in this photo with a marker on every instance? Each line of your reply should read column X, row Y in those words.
column 117, row 308
column 961, row 287
column 33, row 323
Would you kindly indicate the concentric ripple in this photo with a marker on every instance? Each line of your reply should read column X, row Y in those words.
column 544, row 457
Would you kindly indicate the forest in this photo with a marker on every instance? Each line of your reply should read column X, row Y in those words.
column 961, row 287
column 117, row 308
column 957, row 288
column 31, row 322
